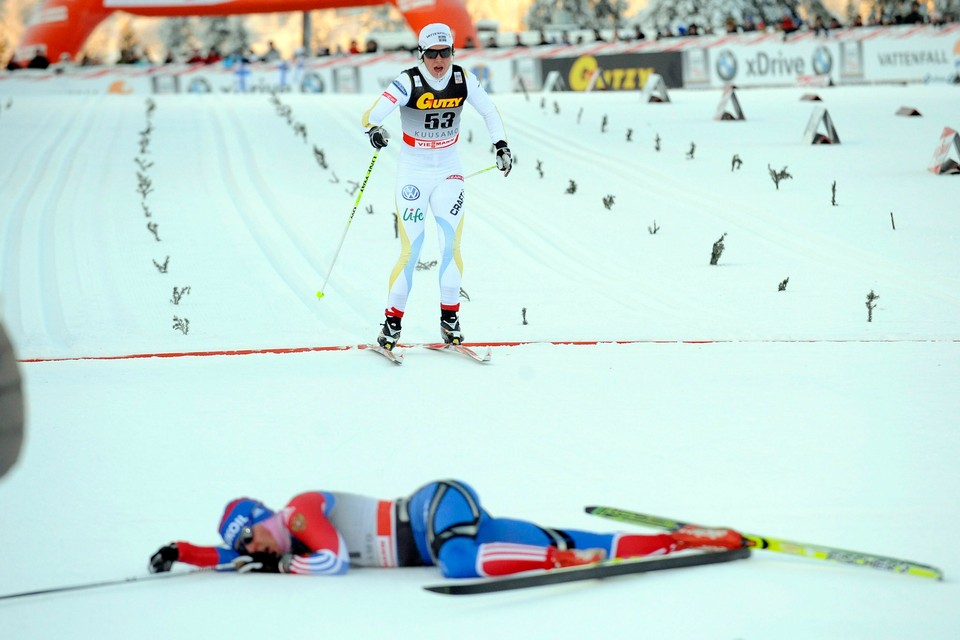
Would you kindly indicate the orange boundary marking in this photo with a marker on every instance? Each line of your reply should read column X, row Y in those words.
column 575, row 343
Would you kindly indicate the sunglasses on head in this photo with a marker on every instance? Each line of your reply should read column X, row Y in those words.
column 245, row 538
column 446, row 52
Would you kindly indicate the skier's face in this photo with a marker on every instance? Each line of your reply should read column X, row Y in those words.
column 263, row 541
column 438, row 64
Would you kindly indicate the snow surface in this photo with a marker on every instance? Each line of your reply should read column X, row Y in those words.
column 718, row 399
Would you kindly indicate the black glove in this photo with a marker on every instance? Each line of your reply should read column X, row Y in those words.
column 504, row 157
column 163, row 559
column 378, row 137
column 260, row 562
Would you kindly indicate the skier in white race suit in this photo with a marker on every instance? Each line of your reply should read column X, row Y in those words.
column 430, row 97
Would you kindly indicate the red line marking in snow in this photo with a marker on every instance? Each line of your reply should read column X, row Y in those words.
column 520, row 343
column 190, row 354
column 708, row 341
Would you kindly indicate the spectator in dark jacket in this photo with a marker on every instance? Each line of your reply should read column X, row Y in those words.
column 914, row 17
column 39, row 61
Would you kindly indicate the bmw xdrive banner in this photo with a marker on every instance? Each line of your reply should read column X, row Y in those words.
column 770, row 64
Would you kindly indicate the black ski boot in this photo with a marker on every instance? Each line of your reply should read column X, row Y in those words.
column 450, row 327
column 389, row 333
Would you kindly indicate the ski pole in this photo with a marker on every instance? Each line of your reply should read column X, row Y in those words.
column 228, row 566
column 356, row 204
column 818, row 552
column 484, row 170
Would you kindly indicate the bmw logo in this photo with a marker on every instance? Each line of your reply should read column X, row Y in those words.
column 199, row 85
column 726, row 65
column 822, row 61
column 410, row 192
column 312, row 83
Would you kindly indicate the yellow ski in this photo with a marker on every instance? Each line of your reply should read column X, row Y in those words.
column 766, row 543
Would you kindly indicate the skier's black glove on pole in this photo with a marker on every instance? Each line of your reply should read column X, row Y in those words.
column 163, row 559
column 378, row 137
column 504, row 157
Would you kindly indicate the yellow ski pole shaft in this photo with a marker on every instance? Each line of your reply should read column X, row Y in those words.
column 356, row 204
column 484, row 170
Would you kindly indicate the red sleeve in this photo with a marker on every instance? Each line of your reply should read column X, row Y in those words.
column 309, row 524
column 198, row 556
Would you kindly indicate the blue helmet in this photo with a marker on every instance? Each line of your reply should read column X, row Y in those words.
column 240, row 513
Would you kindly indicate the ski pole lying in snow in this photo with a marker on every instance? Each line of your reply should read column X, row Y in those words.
column 766, row 543
column 229, row 566
column 349, row 220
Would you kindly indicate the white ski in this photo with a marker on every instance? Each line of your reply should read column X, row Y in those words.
column 392, row 356
column 482, row 358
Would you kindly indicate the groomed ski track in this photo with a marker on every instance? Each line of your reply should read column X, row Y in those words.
column 626, row 370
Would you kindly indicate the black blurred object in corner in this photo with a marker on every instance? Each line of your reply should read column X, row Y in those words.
column 11, row 406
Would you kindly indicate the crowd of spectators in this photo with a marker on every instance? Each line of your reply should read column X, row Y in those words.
column 38, row 61
column 914, row 12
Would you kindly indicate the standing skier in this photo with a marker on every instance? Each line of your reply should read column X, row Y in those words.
column 442, row 523
column 431, row 96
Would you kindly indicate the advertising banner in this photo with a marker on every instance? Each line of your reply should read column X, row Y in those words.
column 616, row 72
column 932, row 55
column 773, row 63
column 873, row 54
column 851, row 61
column 168, row 79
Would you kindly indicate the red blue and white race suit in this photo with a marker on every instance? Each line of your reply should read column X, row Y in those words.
column 430, row 174
column 441, row 524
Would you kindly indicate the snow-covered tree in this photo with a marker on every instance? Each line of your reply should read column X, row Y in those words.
column 216, row 33
column 581, row 14
column 852, row 11
column 128, row 42
column 610, row 12
column 383, row 18
column 893, row 11
column 14, row 14
column 241, row 34
column 948, row 8
column 669, row 15
column 331, row 29
column 540, row 14
column 880, row 11
column 226, row 34
column 811, row 9
column 177, row 35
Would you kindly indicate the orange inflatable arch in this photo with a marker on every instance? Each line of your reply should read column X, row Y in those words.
column 64, row 25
